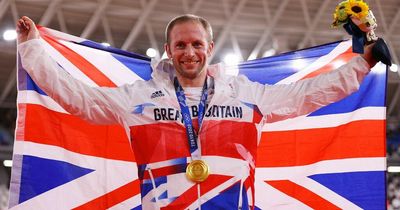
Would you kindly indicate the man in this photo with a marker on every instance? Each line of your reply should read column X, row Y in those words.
column 200, row 128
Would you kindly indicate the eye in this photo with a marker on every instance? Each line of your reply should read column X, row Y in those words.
column 197, row 45
column 180, row 45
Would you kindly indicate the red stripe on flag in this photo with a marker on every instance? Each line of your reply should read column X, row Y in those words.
column 20, row 127
column 302, row 194
column 113, row 198
column 248, row 184
column 301, row 147
column 81, row 63
column 226, row 138
column 165, row 141
column 164, row 171
column 342, row 58
column 190, row 196
column 75, row 134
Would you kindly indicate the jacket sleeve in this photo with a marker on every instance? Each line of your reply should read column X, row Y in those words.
column 95, row 104
column 283, row 101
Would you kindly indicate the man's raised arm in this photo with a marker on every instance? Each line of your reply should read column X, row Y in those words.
column 279, row 102
column 98, row 105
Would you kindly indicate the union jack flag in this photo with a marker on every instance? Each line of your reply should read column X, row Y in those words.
column 333, row 158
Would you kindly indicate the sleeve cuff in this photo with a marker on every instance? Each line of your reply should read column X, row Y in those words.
column 21, row 47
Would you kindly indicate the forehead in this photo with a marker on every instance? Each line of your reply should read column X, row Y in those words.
column 188, row 31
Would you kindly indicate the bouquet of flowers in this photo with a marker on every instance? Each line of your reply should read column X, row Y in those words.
column 359, row 21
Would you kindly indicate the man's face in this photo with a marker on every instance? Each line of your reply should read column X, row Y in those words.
column 189, row 49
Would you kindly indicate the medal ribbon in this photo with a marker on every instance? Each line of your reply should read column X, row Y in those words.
column 187, row 119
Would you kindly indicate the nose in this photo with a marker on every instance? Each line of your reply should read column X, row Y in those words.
column 189, row 50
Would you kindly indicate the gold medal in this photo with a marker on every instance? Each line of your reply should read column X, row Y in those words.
column 197, row 171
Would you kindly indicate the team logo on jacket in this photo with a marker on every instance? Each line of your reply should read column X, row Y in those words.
column 139, row 109
column 156, row 94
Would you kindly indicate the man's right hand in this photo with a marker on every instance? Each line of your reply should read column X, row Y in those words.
column 26, row 30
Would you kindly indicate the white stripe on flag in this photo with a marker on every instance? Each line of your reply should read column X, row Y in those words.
column 214, row 192
column 267, row 197
column 58, row 153
column 33, row 97
column 327, row 121
column 320, row 62
column 90, row 186
column 67, row 65
column 60, row 35
column 325, row 193
column 127, row 204
column 322, row 167
column 106, row 63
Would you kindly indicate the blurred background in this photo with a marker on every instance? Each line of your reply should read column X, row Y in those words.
column 243, row 30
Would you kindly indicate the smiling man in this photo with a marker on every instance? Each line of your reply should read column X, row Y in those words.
column 196, row 134
column 189, row 45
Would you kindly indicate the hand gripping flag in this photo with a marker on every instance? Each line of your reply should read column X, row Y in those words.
column 333, row 158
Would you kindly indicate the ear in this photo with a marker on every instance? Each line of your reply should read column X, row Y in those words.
column 210, row 49
column 168, row 50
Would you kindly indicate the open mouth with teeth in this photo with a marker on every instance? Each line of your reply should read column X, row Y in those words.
column 190, row 62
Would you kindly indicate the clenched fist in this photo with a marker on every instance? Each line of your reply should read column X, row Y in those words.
column 26, row 30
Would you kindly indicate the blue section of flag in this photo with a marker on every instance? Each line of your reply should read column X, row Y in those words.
column 370, row 94
column 141, row 169
column 137, row 208
column 365, row 189
column 113, row 50
column 37, row 179
column 259, row 72
column 147, row 185
column 273, row 69
column 25, row 81
column 251, row 106
column 227, row 199
column 179, row 161
column 245, row 201
column 139, row 67
column 21, row 75
column 164, row 195
column 31, row 85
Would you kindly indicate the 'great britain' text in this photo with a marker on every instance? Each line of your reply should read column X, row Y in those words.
column 213, row 111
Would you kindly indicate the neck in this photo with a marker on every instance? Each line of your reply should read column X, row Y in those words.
column 198, row 81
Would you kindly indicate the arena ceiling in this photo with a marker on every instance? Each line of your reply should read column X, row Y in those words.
column 245, row 27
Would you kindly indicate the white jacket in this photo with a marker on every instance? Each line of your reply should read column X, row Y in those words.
column 228, row 137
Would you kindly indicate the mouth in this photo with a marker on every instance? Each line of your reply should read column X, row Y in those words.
column 190, row 62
